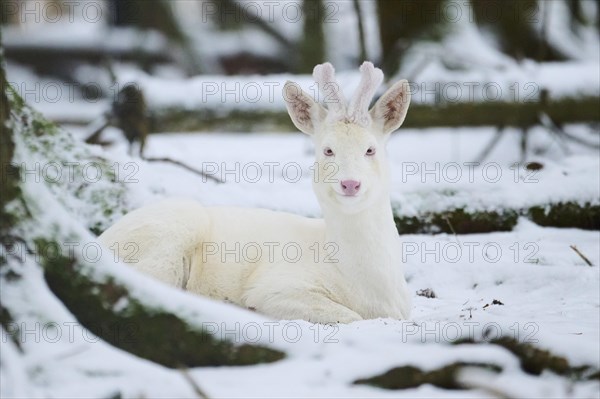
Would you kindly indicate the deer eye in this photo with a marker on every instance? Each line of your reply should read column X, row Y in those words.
column 328, row 152
column 370, row 151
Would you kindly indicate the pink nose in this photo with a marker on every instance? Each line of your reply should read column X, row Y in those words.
column 350, row 187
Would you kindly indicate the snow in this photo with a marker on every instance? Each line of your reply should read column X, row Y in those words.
column 274, row 170
column 549, row 296
column 82, row 35
column 434, row 84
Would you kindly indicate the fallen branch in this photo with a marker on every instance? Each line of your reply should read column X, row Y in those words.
column 197, row 390
column 586, row 260
column 186, row 167
column 464, row 114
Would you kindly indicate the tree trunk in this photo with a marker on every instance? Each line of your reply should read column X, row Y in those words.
column 10, row 176
column 513, row 23
column 312, row 45
column 401, row 23
column 105, row 303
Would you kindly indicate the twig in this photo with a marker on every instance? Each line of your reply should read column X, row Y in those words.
column 194, row 384
column 187, row 167
column 491, row 145
column 548, row 123
column 256, row 19
column 95, row 128
column 574, row 248
column 447, row 219
column 73, row 352
column 482, row 380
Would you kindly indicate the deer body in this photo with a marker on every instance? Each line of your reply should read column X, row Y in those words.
column 342, row 268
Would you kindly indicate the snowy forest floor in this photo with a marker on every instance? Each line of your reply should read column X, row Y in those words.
column 527, row 284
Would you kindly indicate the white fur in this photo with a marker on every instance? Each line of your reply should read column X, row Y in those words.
column 348, row 267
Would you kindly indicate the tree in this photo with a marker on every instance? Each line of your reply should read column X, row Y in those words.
column 513, row 22
column 312, row 44
column 401, row 24
column 38, row 217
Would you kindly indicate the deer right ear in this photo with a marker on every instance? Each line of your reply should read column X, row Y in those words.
column 305, row 112
column 390, row 110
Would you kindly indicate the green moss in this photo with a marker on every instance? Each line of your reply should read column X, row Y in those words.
column 6, row 321
column 534, row 360
column 567, row 214
column 460, row 221
column 192, row 120
column 457, row 221
column 105, row 198
column 9, row 173
column 14, row 99
column 147, row 332
column 412, row 377
column 42, row 127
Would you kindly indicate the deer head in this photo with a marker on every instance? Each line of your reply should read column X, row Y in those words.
column 351, row 170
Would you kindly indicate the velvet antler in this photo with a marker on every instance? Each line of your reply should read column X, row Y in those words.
column 324, row 75
column 371, row 78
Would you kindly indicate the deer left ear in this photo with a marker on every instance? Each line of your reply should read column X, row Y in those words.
column 390, row 110
column 305, row 112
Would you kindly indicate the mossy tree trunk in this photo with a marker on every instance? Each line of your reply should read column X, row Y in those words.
column 111, row 307
column 147, row 331
column 9, row 191
column 9, row 174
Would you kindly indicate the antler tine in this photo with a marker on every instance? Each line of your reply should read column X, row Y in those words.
column 371, row 78
column 324, row 75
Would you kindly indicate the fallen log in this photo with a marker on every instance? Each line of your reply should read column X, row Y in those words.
column 464, row 114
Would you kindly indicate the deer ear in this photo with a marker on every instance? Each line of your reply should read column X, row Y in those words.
column 305, row 112
column 390, row 110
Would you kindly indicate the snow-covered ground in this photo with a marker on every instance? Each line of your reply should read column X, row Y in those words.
column 547, row 294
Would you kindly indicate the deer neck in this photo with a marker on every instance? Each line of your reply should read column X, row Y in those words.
column 367, row 260
column 365, row 238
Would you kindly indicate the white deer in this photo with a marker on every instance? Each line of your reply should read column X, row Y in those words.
column 342, row 268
